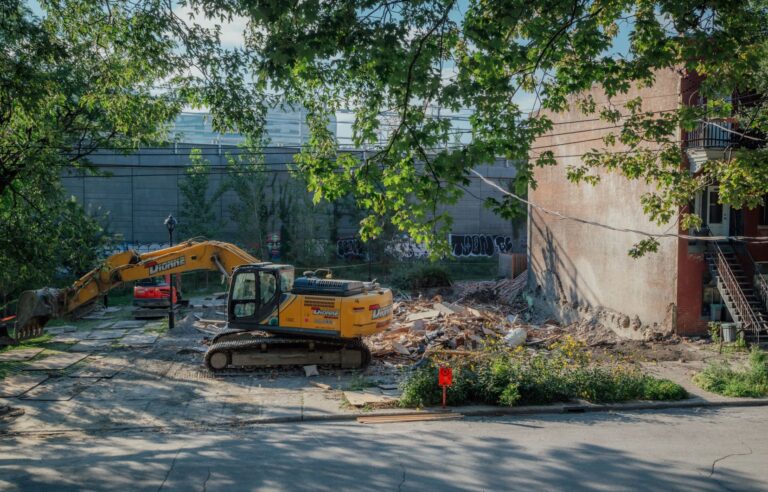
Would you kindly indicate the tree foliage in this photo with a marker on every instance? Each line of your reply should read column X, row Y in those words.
column 198, row 215
column 408, row 57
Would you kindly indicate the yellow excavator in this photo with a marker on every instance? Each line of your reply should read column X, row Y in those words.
column 273, row 318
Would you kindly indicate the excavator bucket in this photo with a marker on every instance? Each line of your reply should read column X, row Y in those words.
column 34, row 309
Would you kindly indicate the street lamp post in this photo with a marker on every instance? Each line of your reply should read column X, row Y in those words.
column 170, row 223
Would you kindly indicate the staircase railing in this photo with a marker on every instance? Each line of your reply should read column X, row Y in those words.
column 761, row 286
column 730, row 283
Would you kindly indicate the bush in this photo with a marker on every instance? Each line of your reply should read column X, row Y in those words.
column 509, row 378
column 420, row 276
column 722, row 379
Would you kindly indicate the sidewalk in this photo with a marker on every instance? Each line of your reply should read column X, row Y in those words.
column 164, row 387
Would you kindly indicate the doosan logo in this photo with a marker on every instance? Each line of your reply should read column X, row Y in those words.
column 155, row 267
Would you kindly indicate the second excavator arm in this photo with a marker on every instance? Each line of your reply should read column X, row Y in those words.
column 36, row 307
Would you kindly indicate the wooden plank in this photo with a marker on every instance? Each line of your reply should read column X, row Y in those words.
column 408, row 417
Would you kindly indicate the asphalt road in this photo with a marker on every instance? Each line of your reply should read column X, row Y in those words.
column 713, row 449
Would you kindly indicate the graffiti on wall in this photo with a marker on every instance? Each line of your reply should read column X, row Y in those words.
column 405, row 248
column 350, row 248
column 483, row 244
column 137, row 247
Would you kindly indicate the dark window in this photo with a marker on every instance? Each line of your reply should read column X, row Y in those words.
column 715, row 208
column 764, row 211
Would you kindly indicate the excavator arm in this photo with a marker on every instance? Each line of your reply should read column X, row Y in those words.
column 37, row 307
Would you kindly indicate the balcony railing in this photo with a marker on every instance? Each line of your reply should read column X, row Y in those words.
column 712, row 135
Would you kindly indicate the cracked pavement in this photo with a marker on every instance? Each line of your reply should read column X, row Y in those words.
column 695, row 449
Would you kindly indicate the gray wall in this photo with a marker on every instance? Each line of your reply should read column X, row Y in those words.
column 143, row 189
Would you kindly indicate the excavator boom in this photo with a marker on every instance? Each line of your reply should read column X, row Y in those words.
column 36, row 307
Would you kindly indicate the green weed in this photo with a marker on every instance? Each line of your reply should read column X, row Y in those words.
column 509, row 378
column 721, row 378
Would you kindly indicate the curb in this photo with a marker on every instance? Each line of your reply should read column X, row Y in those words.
column 466, row 411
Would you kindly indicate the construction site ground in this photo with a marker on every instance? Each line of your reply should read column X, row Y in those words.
column 112, row 373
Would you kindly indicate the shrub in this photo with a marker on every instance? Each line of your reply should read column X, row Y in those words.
column 420, row 276
column 722, row 379
column 509, row 378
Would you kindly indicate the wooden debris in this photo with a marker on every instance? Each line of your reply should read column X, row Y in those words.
column 423, row 326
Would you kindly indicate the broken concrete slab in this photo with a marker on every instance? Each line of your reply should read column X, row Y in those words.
column 113, row 309
column 104, row 326
column 58, row 389
column 72, row 337
column 130, row 323
column 19, row 355
column 55, row 362
column 106, row 334
column 92, row 345
column 368, row 397
column 19, row 384
column 429, row 314
column 98, row 369
column 56, row 330
column 310, row 371
column 138, row 339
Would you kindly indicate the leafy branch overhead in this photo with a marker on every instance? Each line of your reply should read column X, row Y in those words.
column 416, row 59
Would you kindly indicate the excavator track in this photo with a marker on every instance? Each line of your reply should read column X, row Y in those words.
column 272, row 351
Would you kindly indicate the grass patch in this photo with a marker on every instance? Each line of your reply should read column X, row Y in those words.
column 562, row 373
column 721, row 378
column 359, row 383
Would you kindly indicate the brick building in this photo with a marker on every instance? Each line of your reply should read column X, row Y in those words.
column 584, row 271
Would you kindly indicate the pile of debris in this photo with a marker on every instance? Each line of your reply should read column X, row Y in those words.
column 421, row 325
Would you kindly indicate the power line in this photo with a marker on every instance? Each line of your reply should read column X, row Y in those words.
column 652, row 235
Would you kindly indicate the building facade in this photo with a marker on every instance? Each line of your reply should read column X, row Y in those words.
column 583, row 270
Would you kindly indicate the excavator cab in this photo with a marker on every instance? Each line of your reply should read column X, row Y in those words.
column 255, row 294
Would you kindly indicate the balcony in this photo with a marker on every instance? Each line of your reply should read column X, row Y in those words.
column 709, row 141
column 713, row 140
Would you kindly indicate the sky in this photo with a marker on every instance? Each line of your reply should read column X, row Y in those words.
column 232, row 37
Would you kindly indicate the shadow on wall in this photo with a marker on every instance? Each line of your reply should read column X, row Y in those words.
column 556, row 266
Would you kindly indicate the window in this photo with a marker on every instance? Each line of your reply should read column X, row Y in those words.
column 268, row 287
column 245, row 287
column 243, row 292
column 286, row 280
column 715, row 208
column 764, row 212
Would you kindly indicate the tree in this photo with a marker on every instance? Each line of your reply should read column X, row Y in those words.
column 75, row 80
column 198, row 215
column 408, row 57
column 247, row 178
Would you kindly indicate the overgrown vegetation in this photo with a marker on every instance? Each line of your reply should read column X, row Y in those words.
column 513, row 377
column 408, row 276
column 723, row 379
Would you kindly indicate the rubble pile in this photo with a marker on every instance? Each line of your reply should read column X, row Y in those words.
column 424, row 325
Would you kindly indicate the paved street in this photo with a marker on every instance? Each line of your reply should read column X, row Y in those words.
column 714, row 449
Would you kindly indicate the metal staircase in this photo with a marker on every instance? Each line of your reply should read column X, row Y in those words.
column 745, row 305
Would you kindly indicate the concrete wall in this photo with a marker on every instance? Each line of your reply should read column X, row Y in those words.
column 580, row 268
column 143, row 189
